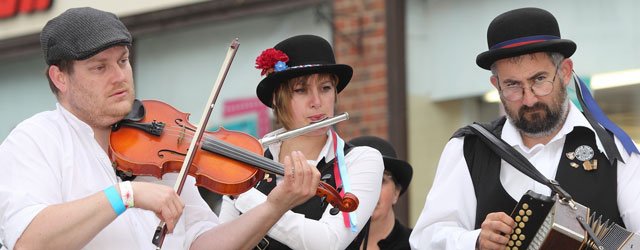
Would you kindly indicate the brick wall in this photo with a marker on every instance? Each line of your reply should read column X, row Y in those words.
column 369, row 36
column 359, row 40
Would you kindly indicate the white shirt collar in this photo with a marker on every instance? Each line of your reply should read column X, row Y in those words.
column 77, row 124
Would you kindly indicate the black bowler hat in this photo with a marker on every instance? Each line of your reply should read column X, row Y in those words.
column 401, row 170
column 298, row 56
column 523, row 31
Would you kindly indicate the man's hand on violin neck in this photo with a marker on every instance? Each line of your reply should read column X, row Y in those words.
column 300, row 183
column 160, row 199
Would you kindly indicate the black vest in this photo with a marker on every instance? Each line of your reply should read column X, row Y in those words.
column 595, row 189
column 313, row 208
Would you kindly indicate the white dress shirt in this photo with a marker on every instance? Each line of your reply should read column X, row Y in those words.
column 365, row 167
column 448, row 218
column 53, row 158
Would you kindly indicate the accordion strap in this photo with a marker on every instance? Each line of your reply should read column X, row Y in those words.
column 517, row 160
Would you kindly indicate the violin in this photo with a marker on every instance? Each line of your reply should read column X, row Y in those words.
column 153, row 140
column 224, row 162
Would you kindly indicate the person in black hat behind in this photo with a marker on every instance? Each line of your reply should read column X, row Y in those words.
column 385, row 231
column 474, row 191
column 301, row 84
column 58, row 188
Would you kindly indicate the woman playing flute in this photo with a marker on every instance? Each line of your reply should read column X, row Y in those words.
column 301, row 86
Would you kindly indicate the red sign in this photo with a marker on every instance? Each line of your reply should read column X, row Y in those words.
column 252, row 105
column 11, row 8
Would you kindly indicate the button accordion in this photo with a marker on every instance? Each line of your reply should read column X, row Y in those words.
column 543, row 222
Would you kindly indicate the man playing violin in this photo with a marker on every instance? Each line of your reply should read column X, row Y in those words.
column 58, row 188
column 301, row 85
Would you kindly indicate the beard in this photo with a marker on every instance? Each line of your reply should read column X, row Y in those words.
column 541, row 120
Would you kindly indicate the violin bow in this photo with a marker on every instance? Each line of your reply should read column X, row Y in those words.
column 161, row 230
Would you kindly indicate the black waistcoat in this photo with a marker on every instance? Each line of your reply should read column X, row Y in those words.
column 313, row 208
column 595, row 189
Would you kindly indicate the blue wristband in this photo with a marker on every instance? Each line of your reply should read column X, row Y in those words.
column 115, row 200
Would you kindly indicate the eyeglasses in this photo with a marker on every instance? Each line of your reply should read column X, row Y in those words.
column 540, row 87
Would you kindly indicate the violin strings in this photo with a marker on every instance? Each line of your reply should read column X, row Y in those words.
column 228, row 150
column 243, row 155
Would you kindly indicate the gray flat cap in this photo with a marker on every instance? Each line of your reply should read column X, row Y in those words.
column 80, row 33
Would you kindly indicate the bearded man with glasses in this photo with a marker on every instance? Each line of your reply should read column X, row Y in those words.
column 594, row 161
column 525, row 91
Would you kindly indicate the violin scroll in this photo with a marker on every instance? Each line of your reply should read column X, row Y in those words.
column 348, row 203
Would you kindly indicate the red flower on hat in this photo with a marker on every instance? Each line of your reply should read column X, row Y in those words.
column 267, row 60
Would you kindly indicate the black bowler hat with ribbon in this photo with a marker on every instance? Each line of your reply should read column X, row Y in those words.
column 529, row 30
column 298, row 56
column 523, row 31
column 401, row 170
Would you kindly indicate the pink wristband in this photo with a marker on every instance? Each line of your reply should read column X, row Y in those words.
column 126, row 192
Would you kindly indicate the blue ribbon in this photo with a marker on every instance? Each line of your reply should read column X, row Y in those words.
column 597, row 113
column 346, row 183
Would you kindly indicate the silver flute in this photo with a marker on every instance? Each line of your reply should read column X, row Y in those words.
column 303, row 130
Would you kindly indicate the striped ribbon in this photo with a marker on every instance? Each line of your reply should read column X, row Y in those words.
column 342, row 178
column 522, row 41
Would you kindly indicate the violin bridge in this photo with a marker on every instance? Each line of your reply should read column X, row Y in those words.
column 181, row 136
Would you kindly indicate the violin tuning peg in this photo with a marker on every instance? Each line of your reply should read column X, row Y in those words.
column 334, row 211
column 322, row 200
column 325, row 177
column 339, row 189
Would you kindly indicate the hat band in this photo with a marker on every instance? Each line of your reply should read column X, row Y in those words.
column 523, row 41
column 295, row 67
column 304, row 66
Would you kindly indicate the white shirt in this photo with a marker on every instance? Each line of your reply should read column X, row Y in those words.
column 53, row 158
column 365, row 167
column 448, row 218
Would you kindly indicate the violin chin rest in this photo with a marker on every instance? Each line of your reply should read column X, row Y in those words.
column 137, row 112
